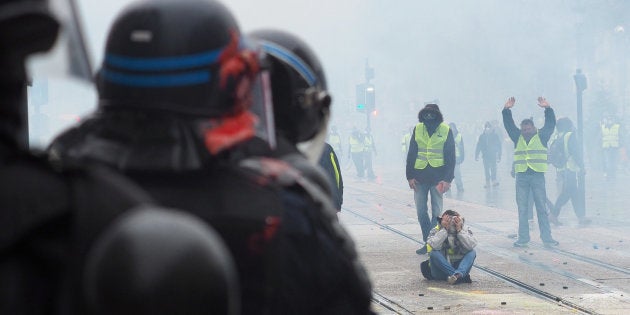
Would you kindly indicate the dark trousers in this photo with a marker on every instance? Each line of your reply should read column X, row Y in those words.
column 569, row 191
column 490, row 169
column 367, row 156
column 610, row 161
column 357, row 159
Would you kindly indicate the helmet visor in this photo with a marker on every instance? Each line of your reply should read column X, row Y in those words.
column 262, row 108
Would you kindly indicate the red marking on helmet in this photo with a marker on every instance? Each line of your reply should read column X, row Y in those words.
column 235, row 63
column 230, row 130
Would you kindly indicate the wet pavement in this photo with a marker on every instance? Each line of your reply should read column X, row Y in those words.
column 588, row 272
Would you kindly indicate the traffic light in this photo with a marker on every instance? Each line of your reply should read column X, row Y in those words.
column 370, row 98
column 360, row 101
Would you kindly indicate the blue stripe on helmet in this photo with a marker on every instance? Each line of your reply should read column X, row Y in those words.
column 292, row 60
column 168, row 80
column 163, row 63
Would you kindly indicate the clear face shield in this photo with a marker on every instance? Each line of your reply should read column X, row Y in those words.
column 262, row 108
column 313, row 147
column 60, row 88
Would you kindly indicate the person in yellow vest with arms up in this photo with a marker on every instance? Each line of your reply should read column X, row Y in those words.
column 530, row 165
column 610, row 146
column 430, row 166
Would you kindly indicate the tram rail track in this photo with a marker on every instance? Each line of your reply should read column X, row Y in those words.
column 527, row 288
column 559, row 251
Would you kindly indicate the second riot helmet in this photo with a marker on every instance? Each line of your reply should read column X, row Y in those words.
column 301, row 101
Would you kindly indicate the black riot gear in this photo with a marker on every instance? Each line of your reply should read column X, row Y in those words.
column 301, row 102
column 161, row 262
column 26, row 27
column 178, row 56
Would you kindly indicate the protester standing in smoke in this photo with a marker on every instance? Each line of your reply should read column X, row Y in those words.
column 460, row 154
column 430, row 166
column 334, row 139
column 489, row 145
column 611, row 142
column 568, row 173
column 356, row 144
column 530, row 165
column 369, row 151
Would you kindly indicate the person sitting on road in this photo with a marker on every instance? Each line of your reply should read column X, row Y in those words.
column 451, row 250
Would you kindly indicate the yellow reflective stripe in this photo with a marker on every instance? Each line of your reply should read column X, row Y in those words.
column 332, row 160
column 537, row 151
column 531, row 161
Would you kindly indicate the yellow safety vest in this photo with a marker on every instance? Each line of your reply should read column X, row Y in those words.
column 430, row 149
column 458, row 140
column 610, row 136
column 355, row 145
column 530, row 155
column 449, row 251
column 571, row 164
column 367, row 143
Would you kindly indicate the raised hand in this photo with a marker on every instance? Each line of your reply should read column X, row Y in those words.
column 542, row 102
column 510, row 102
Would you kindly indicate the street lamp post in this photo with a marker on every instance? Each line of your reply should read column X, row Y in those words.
column 580, row 86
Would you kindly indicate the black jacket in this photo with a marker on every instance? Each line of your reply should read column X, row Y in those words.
column 489, row 145
column 280, row 237
column 329, row 162
column 48, row 222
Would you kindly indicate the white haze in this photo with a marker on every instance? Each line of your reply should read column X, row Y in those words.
column 470, row 55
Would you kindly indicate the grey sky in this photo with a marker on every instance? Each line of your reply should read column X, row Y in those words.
column 470, row 55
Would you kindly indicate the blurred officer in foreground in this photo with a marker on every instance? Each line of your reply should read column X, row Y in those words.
column 301, row 111
column 530, row 165
column 50, row 218
column 182, row 106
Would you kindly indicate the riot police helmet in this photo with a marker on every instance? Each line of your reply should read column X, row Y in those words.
column 182, row 56
column 300, row 97
column 187, row 57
